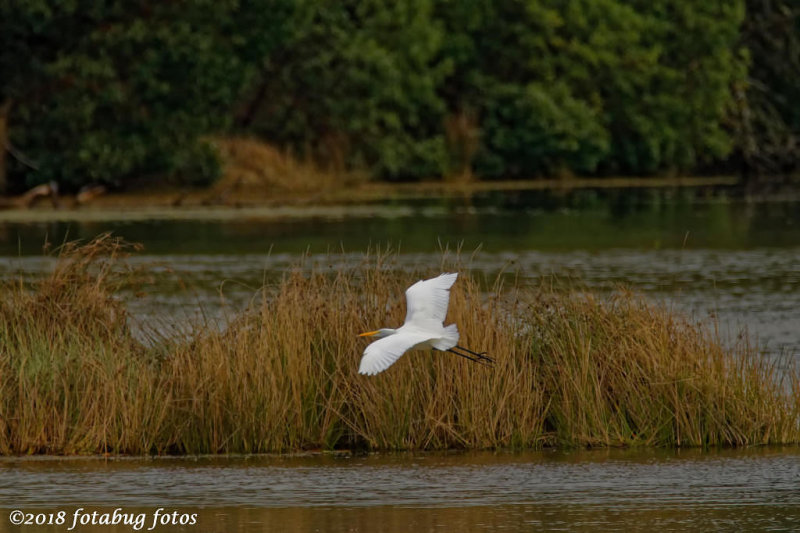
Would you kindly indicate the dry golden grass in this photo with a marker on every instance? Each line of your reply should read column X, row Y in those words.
column 571, row 370
column 253, row 165
column 627, row 372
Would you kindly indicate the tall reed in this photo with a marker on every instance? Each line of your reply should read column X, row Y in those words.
column 72, row 378
column 625, row 371
column 572, row 369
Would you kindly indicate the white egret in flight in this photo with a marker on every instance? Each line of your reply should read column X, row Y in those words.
column 426, row 303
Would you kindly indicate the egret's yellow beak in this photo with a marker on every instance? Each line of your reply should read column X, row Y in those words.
column 367, row 334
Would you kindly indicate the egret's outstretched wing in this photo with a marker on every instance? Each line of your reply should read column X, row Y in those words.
column 380, row 355
column 428, row 300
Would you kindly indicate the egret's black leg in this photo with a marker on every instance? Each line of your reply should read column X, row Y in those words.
column 465, row 356
column 481, row 355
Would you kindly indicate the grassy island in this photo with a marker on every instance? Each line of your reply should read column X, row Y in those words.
column 573, row 369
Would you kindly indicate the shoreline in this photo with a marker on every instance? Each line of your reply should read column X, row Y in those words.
column 360, row 200
column 771, row 449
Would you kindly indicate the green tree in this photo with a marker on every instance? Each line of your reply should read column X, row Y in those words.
column 768, row 115
column 105, row 91
column 108, row 91
column 680, row 118
column 355, row 87
column 592, row 85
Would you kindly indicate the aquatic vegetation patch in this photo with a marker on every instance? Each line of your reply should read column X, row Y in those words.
column 572, row 369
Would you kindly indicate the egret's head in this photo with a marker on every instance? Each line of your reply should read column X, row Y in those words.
column 378, row 334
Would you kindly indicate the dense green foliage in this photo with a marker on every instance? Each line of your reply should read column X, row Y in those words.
column 769, row 117
column 355, row 85
column 113, row 91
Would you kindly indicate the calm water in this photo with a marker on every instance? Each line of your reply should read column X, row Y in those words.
column 705, row 251
column 745, row 490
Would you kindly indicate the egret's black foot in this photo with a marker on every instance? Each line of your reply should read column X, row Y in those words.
column 482, row 355
column 472, row 356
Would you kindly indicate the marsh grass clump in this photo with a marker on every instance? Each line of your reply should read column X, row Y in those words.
column 572, row 369
column 72, row 378
column 626, row 372
column 283, row 375
column 255, row 166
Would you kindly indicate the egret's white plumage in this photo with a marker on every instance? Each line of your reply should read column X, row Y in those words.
column 424, row 327
column 382, row 353
column 428, row 300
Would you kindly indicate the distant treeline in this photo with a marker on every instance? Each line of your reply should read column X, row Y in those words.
column 114, row 91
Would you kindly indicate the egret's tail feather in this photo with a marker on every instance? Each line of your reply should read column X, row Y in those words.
column 449, row 339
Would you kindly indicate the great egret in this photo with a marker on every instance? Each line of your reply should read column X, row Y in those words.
column 426, row 303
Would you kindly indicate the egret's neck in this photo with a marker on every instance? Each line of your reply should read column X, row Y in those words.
column 385, row 332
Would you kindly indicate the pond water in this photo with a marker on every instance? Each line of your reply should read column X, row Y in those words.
column 611, row 490
column 709, row 252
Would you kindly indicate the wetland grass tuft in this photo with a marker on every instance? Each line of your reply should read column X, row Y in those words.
column 572, row 370
column 258, row 167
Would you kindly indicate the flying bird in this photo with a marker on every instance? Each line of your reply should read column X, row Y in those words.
column 426, row 303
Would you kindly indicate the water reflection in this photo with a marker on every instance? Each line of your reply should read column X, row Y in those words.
column 512, row 518
column 480, row 491
column 701, row 250
column 529, row 220
column 757, row 290
column 706, row 251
